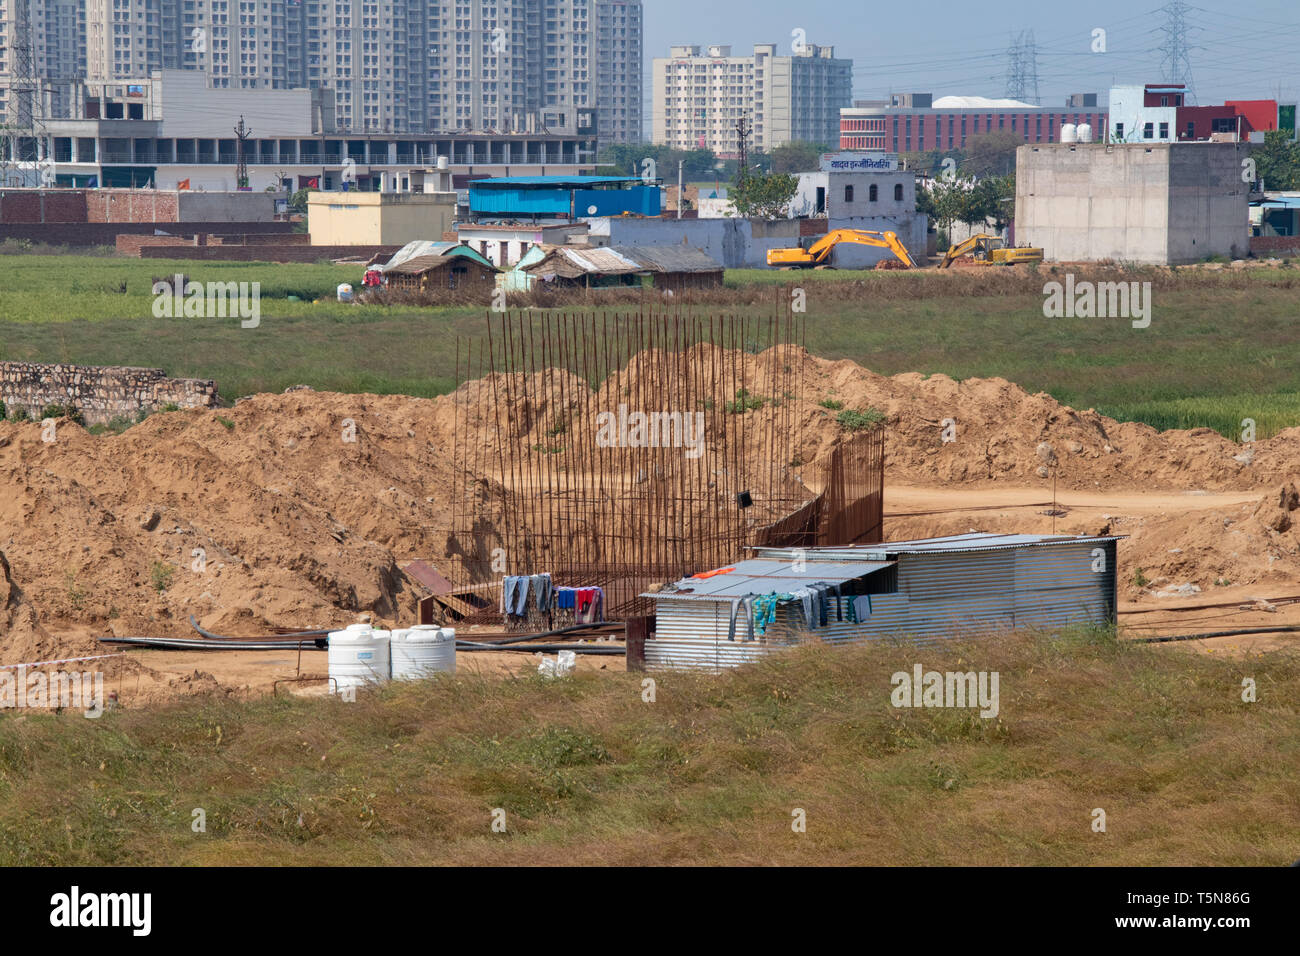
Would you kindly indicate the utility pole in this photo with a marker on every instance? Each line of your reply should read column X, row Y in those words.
column 242, row 133
column 742, row 137
column 681, row 164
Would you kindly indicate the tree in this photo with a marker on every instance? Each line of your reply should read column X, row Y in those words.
column 992, row 154
column 797, row 157
column 622, row 159
column 766, row 195
column 1277, row 161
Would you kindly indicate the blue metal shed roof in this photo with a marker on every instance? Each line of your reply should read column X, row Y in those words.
column 763, row 576
column 576, row 182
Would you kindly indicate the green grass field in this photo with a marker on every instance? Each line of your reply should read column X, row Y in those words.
column 1212, row 356
column 586, row 771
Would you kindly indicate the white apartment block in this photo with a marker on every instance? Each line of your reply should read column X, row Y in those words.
column 393, row 65
column 700, row 95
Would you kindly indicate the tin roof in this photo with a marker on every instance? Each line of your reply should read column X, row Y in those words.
column 674, row 258
column 763, row 576
column 420, row 248
column 951, row 544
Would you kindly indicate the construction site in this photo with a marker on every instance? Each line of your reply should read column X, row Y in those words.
column 614, row 453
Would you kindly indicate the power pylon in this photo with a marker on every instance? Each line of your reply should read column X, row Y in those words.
column 1175, row 62
column 1022, row 68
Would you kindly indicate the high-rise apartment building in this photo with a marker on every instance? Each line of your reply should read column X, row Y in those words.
column 701, row 94
column 394, row 65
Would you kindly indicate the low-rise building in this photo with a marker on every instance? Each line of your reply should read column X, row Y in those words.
column 377, row 219
column 1161, row 204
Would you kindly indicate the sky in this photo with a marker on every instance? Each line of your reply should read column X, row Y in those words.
column 1239, row 50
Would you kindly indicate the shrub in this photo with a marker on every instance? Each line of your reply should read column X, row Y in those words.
column 853, row 421
column 160, row 576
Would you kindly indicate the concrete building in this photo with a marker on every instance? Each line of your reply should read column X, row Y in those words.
column 1159, row 113
column 701, row 93
column 916, row 122
column 1162, row 204
column 391, row 66
column 171, row 128
column 378, row 219
column 504, row 245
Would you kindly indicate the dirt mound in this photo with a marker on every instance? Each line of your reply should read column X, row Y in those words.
column 20, row 630
column 297, row 509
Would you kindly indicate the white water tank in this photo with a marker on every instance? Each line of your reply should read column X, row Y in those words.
column 443, row 163
column 358, row 655
column 1069, row 133
column 422, row 651
column 1084, row 132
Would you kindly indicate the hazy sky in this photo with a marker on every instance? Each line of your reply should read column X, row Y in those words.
column 1239, row 50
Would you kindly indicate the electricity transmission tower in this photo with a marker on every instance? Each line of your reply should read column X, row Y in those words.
column 1175, row 63
column 1022, row 68
column 26, row 132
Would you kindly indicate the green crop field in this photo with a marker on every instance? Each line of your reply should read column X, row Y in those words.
column 586, row 771
column 1220, row 347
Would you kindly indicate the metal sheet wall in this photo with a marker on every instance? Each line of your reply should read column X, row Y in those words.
column 941, row 595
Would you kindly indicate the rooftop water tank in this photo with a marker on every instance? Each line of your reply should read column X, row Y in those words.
column 1069, row 133
column 443, row 162
column 423, row 650
column 358, row 655
column 1084, row 133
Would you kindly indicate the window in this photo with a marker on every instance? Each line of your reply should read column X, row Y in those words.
column 848, row 194
column 1119, row 131
column 871, row 193
column 898, row 192
column 1191, row 130
column 1148, row 131
column 1164, row 101
column 1164, row 130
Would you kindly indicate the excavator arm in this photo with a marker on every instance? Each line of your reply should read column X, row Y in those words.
column 961, row 248
column 820, row 251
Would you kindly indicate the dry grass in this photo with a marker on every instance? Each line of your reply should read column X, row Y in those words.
column 589, row 773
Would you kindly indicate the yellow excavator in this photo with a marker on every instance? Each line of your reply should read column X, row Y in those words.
column 991, row 250
column 818, row 254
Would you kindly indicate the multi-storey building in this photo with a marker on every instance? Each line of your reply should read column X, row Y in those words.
column 702, row 94
column 393, row 65
column 916, row 122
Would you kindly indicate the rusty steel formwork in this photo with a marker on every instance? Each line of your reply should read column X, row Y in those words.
column 553, row 470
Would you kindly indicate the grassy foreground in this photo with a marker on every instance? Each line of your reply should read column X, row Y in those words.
column 1220, row 347
column 588, row 772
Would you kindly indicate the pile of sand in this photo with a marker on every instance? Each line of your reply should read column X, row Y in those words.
column 269, row 514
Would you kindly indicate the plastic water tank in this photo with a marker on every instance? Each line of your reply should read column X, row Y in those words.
column 1069, row 133
column 443, row 163
column 423, row 650
column 1084, row 132
column 358, row 655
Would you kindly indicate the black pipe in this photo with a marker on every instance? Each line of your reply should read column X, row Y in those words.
column 274, row 637
column 1282, row 628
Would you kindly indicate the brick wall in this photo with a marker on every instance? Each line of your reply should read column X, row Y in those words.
column 279, row 252
column 100, row 393
column 42, row 205
column 132, row 205
column 106, row 233
column 1273, row 245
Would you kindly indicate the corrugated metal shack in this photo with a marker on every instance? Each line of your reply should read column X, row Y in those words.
column 928, row 589
column 596, row 267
